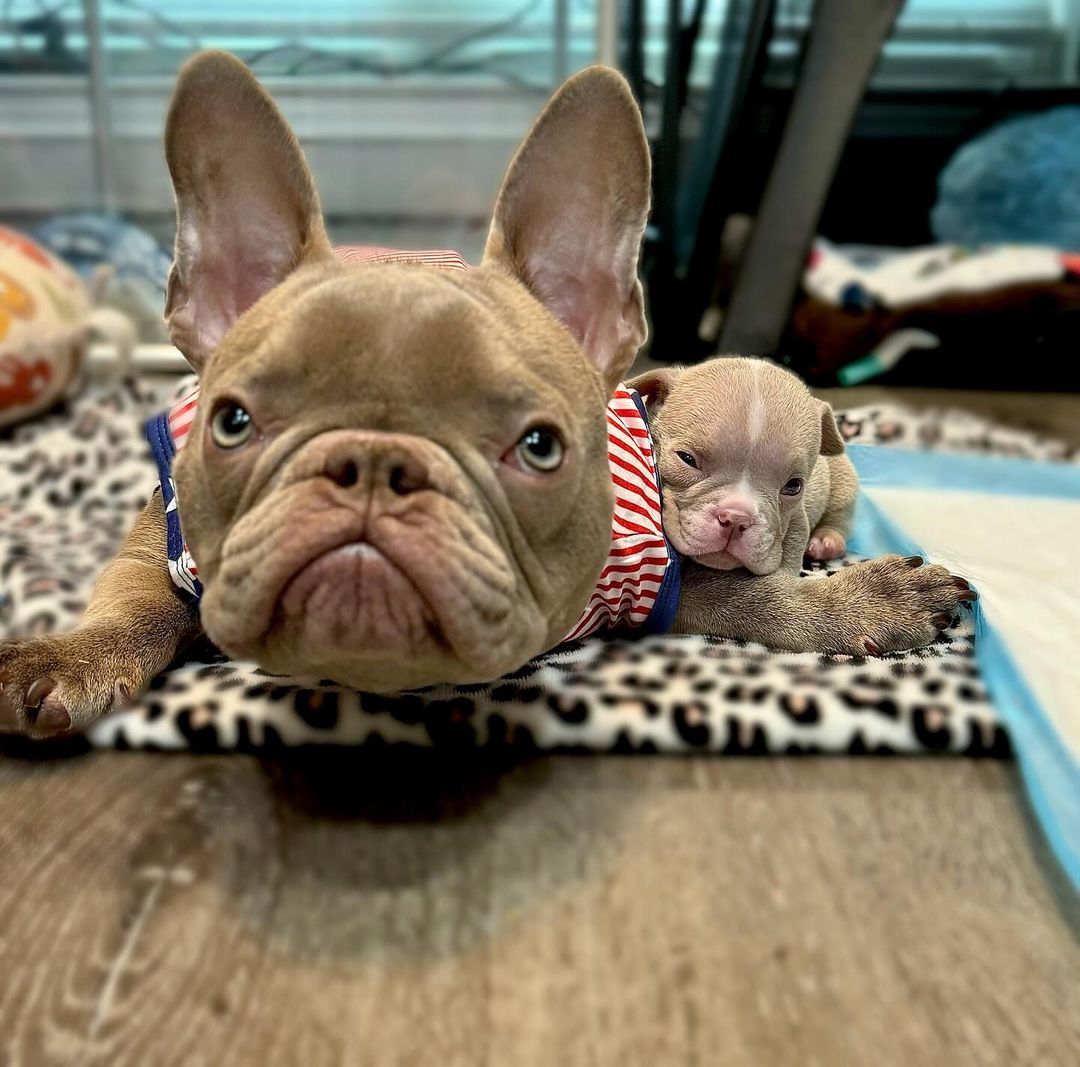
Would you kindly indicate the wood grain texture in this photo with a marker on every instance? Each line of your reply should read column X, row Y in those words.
column 344, row 910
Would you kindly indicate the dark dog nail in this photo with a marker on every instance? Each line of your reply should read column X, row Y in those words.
column 961, row 583
column 941, row 620
column 914, row 561
column 967, row 594
column 38, row 692
column 871, row 648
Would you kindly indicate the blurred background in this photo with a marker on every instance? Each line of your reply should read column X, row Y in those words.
column 799, row 150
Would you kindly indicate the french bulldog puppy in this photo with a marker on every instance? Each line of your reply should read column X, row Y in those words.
column 753, row 468
column 396, row 475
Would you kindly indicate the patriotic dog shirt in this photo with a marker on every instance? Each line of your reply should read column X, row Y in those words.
column 638, row 588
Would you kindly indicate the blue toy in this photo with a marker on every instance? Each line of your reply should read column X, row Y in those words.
column 138, row 265
column 1019, row 183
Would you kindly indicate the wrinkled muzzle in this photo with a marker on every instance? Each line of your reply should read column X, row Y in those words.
column 375, row 560
column 727, row 530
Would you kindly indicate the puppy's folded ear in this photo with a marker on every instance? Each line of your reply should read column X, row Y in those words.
column 655, row 386
column 571, row 214
column 832, row 444
column 247, row 213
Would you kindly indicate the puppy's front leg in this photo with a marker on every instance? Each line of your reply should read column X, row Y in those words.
column 798, row 533
column 828, row 540
column 133, row 627
column 889, row 604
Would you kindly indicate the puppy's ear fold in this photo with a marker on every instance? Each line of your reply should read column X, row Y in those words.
column 655, row 386
column 247, row 213
column 571, row 214
column 832, row 444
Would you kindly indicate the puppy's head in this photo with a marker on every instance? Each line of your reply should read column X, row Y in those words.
column 398, row 475
column 737, row 440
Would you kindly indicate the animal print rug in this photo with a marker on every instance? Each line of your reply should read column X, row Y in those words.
column 71, row 482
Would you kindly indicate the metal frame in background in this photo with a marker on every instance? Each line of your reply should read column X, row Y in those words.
column 683, row 242
column 100, row 120
column 607, row 32
column 841, row 51
column 846, row 37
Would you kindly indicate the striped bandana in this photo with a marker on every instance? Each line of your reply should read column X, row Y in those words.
column 638, row 588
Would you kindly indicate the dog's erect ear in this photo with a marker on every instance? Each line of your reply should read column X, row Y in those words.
column 832, row 444
column 247, row 213
column 655, row 386
column 571, row 214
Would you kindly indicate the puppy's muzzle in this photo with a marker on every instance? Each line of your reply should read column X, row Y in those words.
column 733, row 523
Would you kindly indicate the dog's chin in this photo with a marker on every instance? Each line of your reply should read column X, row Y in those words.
column 354, row 597
column 719, row 561
column 725, row 560
column 357, row 617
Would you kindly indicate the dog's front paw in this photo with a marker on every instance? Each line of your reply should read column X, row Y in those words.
column 826, row 543
column 52, row 685
column 895, row 603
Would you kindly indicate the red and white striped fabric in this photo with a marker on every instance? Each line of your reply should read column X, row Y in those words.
column 639, row 556
column 181, row 416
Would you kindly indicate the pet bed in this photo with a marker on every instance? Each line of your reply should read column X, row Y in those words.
column 71, row 483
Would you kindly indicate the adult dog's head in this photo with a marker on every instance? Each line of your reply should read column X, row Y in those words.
column 398, row 475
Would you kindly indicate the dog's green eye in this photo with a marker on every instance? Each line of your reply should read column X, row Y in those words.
column 541, row 450
column 793, row 487
column 687, row 458
column 231, row 426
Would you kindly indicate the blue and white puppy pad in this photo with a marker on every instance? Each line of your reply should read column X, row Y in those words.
column 1009, row 526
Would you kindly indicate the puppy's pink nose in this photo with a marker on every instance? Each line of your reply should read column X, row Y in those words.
column 734, row 522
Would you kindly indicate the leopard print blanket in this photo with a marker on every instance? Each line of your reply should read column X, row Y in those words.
column 70, row 484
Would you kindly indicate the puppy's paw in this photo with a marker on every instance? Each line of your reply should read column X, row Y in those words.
column 895, row 603
column 826, row 543
column 53, row 685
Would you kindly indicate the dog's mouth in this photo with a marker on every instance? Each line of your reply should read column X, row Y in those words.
column 720, row 561
column 731, row 559
column 355, row 595
column 722, row 551
column 376, row 599
column 716, row 551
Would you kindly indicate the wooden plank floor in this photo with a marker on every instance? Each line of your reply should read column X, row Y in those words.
column 228, row 911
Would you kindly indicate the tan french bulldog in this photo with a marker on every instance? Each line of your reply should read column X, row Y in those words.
column 396, row 475
column 753, row 467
